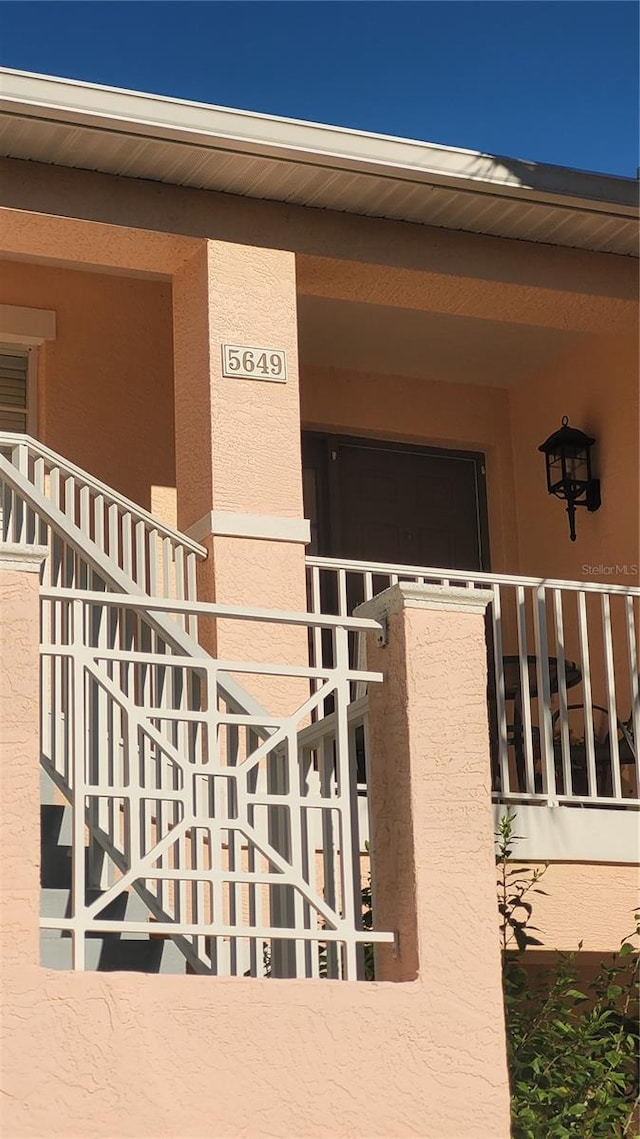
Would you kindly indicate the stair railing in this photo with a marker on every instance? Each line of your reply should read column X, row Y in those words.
column 157, row 559
column 46, row 501
column 215, row 817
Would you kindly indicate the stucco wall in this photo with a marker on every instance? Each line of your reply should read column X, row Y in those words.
column 585, row 902
column 106, row 382
column 113, row 1056
column 596, row 385
column 543, row 283
column 125, row 1055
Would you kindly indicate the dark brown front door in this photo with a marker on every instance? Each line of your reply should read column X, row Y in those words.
column 377, row 501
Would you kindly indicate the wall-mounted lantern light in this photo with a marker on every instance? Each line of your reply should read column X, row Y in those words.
column 568, row 457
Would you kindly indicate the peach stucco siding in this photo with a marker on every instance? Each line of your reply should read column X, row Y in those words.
column 105, row 384
column 90, row 220
column 596, row 384
column 147, row 281
column 128, row 1055
column 241, row 436
column 433, row 874
column 586, row 902
column 238, row 440
column 19, row 771
column 465, row 273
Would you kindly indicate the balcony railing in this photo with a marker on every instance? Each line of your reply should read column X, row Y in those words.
column 563, row 691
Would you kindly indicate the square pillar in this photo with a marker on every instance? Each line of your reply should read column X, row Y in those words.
column 20, row 753
column 238, row 459
column 433, row 856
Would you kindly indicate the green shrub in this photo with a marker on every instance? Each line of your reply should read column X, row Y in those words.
column 572, row 1055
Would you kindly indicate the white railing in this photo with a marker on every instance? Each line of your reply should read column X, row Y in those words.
column 563, row 691
column 82, row 555
column 317, row 746
column 239, row 831
column 44, row 499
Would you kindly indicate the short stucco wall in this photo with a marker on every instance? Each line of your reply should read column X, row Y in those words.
column 126, row 1055
column 96, row 1056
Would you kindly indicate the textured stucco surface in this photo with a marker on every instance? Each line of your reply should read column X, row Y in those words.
column 238, row 445
column 432, row 838
column 19, row 769
column 237, row 440
column 501, row 295
column 114, row 1056
column 588, row 902
column 105, row 387
column 539, row 273
column 257, row 574
column 596, row 385
column 70, row 241
column 152, row 1057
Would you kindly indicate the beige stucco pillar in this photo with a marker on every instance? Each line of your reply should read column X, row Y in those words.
column 238, row 464
column 432, row 826
column 19, row 753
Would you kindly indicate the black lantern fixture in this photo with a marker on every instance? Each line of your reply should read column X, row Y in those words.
column 568, row 457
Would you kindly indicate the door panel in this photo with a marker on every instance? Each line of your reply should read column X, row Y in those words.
column 380, row 502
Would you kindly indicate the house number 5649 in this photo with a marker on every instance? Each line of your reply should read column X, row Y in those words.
column 254, row 363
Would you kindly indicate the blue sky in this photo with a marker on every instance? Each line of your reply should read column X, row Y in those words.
column 548, row 80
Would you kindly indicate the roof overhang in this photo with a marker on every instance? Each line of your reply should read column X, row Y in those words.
column 130, row 134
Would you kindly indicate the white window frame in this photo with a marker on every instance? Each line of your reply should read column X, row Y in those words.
column 31, row 352
column 26, row 330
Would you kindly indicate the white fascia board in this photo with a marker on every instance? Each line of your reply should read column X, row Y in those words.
column 255, row 134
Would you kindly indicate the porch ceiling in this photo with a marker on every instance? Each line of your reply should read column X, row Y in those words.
column 432, row 346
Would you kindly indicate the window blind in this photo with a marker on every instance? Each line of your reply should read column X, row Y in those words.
column 13, row 391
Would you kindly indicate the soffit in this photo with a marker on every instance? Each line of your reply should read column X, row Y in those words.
column 258, row 156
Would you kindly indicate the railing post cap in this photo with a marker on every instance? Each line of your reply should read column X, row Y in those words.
column 410, row 595
column 20, row 556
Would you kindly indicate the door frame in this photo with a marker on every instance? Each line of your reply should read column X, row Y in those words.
column 317, row 448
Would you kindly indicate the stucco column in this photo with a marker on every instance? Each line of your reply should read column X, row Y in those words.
column 238, row 463
column 239, row 478
column 431, row 825
column 20, row 753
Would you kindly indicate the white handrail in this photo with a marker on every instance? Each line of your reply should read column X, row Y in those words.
column 155, row 557
column 115, row 579
column 545, row 637
column 113, row 497
column 214, row 609
column 480, row 576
